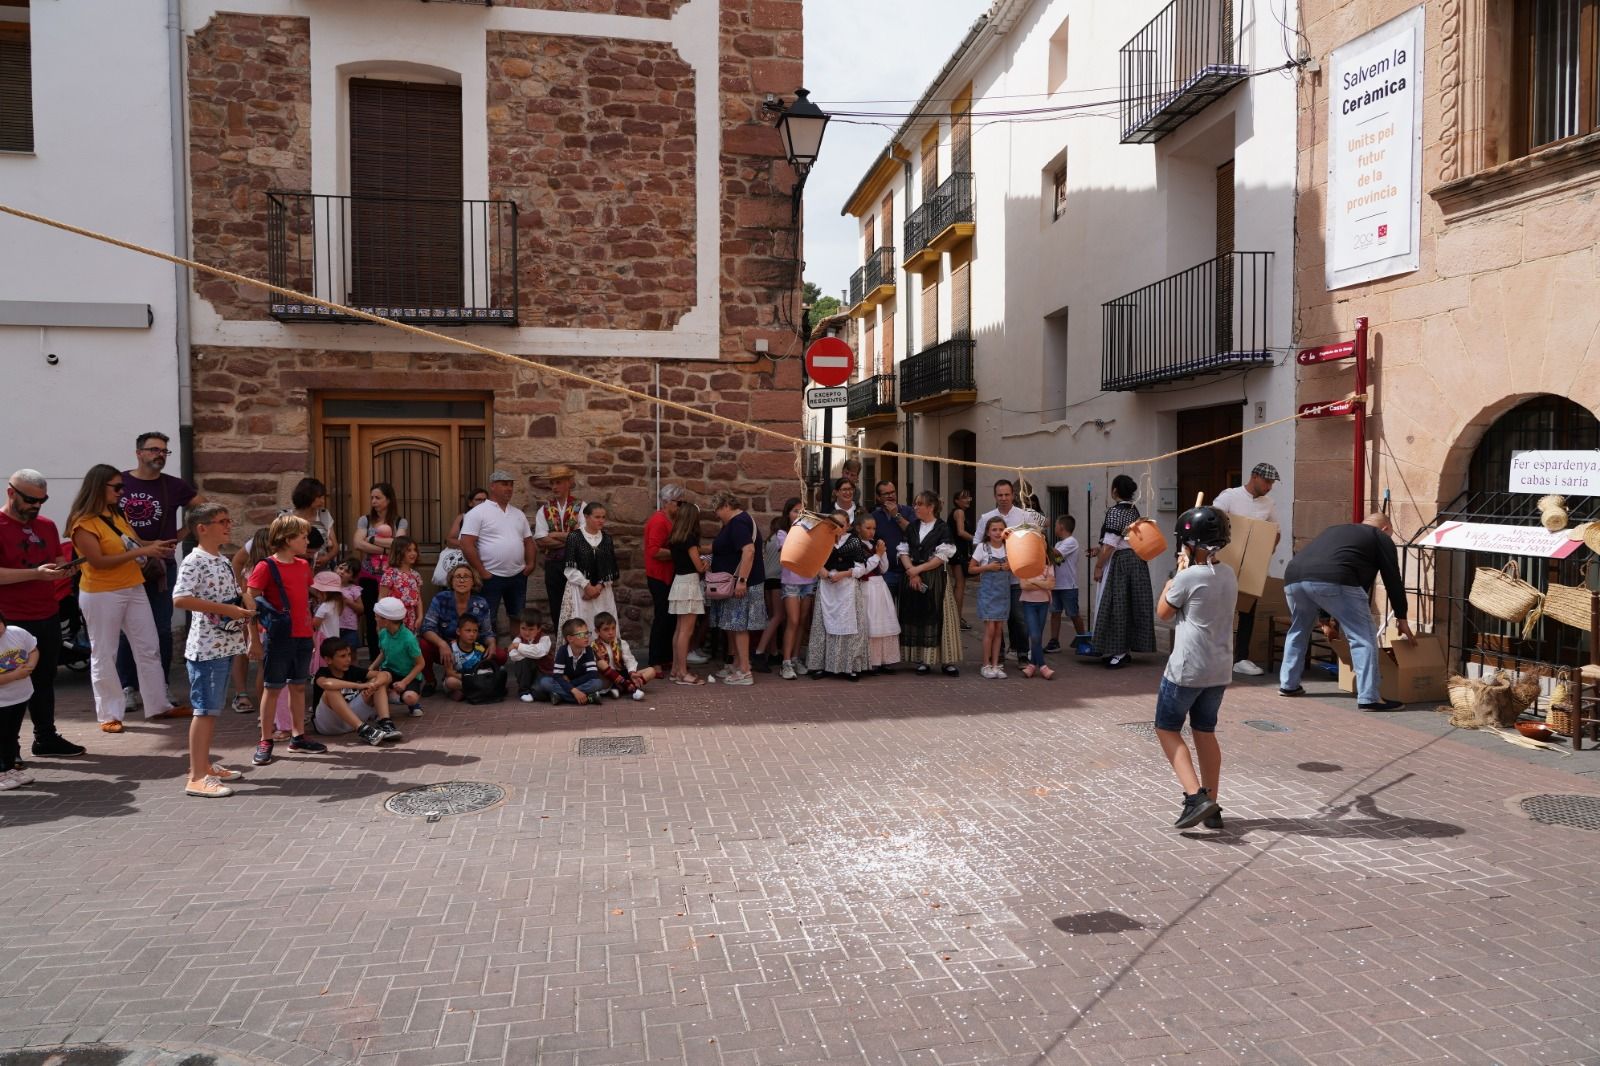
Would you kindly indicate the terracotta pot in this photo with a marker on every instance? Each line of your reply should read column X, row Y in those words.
column 807, row 545
column 1025, row 550
column 1146, row 539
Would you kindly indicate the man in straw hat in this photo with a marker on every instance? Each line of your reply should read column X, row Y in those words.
column 552, row 522
column 498, row 545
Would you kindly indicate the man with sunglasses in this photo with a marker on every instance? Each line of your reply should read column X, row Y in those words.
column 31, row 586
column 151, row 500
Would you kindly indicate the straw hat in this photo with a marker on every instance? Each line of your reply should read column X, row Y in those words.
column 1589, row 533
column 559, row 471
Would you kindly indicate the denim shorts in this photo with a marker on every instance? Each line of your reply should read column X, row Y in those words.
column 1177, row 702
column 286, row 662
column 799, row 592
column 208, row 684
column 1064, row 601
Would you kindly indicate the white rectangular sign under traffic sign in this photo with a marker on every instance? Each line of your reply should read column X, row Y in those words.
column 817, row 399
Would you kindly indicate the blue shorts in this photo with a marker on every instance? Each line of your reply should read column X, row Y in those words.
column 208, row 684
column 1064, row 601
column 286, row 662
column 799, row 592
column 1176, row 702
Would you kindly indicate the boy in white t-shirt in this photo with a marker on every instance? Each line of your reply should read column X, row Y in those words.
column 19, row 656
column 1064, row 598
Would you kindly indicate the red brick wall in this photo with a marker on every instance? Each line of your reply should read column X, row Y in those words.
column 249, row 131
column 651, row 9
column 594, row 139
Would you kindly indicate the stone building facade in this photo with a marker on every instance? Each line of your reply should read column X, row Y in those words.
column 1489, row 345
column 609, row 180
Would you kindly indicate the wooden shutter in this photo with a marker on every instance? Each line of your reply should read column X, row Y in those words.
column 886, row 223
column 16, row 88
column 406, row 188
column 930, row 166
column 869, row 238
column 1225, row 302
column 886, row 342
column 930, row 310
column 961, row 139
column 961, row 300
column 870, row 343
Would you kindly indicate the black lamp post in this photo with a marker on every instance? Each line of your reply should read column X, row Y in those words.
column 801, row 125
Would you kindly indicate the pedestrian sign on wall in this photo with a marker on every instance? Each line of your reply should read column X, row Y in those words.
column 1374, row 208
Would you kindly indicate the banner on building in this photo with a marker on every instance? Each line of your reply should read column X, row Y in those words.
column 1567, row 473
column 1374, row 207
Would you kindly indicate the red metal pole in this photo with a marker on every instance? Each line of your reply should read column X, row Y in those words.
column 1359, row 506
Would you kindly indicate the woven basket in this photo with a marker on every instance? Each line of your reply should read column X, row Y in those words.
column 1561, row 714
column 1463, row 692
column 1553, row 513
column 1502, row 593
column 1568, row 604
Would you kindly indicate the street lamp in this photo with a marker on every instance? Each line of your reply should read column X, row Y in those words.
column 801, row 126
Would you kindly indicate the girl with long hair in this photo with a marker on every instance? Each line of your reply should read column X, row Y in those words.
column 375, row 532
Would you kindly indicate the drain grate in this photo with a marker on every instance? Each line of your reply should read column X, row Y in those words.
column 604, row 746
column 1265, row 726
column 1575, row 812
column 448, row 797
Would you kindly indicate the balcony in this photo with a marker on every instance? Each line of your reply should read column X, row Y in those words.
column 1208, row 319
column 942, row 222
column 428, row 261
column 1184, row 59
column 873, row 284
column 939, row 377
column 872, row 401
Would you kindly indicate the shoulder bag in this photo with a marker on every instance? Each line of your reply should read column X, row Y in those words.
column 278, row 624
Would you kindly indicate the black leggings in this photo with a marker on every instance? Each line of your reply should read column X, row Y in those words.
column 10, row 734
column 369, row 621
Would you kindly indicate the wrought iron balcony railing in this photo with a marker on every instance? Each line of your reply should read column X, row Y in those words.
column 1183, row 59
column 445, row 262
column 1209, row 318
column 950, row 203
column 877, row 271
column 873, row 397
column 938, row 371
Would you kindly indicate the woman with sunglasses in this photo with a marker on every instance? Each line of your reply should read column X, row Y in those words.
column 113, row 600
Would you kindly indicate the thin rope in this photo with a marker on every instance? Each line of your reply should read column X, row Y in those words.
column 623, row 390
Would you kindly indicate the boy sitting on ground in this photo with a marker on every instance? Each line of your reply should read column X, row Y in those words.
column 576, row 678
column 616, row 661
column 399, row 655
column 351, row 697
column 466, row 654
column 529, row 656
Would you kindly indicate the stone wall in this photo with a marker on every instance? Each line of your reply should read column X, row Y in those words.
column 1506, row 303
column 249, row 131
column 594, row 140
column 650, row 9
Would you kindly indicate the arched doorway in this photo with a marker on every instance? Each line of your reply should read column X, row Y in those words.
column 1481, row 641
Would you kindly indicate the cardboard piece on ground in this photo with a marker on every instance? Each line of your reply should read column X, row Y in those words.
column 1412, row 671
column 1249, row 552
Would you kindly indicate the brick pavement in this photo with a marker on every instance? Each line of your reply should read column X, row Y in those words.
column 905, row 871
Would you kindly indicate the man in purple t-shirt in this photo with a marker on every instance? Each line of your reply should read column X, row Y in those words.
column 150, row 502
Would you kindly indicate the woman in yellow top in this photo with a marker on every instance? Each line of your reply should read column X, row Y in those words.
column 111, row 594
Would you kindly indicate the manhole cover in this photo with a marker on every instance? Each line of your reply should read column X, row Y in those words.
column 1266, row 727
column 1575, row 812
column 448, row 797
column 611, row 745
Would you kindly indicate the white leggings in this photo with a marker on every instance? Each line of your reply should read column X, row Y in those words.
column 108, row 615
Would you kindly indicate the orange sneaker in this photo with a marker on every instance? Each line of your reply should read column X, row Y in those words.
column 222, row 773
column 210, row 788
column 111, row 727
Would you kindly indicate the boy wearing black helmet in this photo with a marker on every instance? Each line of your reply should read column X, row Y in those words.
column 1202, row 595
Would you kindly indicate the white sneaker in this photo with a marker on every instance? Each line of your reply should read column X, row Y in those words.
column 132, row 700
column 526, row 697
column 726, row 672
column 1247, row 668
column 738, row 679
column 9, row 780
column 698, row 657
column 787, row 672
column 999, row 673
column 638, row 694
column 23, row 777
column 986, row 670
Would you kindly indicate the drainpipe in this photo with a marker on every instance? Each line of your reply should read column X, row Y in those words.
column 178, row 112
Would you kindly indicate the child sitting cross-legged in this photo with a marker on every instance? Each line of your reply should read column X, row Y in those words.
column 350, row 697
column 616, row 661
column 576, row 678
column 529, row 656
column 467, row 657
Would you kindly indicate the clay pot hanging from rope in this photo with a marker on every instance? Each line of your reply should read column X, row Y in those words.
column 1025, row 550
column 808, row 543
column 1146, row 539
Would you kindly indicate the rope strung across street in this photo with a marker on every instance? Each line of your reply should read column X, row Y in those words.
column 622, row 390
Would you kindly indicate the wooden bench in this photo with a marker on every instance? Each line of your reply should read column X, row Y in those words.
column 1320, row 650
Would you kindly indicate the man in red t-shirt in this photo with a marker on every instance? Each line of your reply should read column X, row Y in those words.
column 658, row 575
column 31, row 585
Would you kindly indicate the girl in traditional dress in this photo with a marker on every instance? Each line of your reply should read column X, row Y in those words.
column 839, row 624
column 883, row 627
column 930, row 633
column 590, row 569
column 1125, row 619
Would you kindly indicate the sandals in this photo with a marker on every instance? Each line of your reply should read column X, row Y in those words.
column 687, row 679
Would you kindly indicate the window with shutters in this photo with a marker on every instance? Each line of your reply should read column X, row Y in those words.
column 16, row 78
column 930, row 310
column 1555, row 81
column 886, row 342
column 961, row 137
column 869, row 238
column 870, row 345
column 407, row 212
column 930, row 165
column 886, row 226
column 961, row 301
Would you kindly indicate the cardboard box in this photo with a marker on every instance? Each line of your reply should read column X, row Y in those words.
column 1412, row 671
column 1249, row 552
column 1271, row 602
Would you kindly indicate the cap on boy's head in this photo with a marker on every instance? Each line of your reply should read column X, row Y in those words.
column 327, row 581
column 390, row 608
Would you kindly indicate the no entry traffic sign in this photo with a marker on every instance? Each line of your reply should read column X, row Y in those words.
column 829, row 361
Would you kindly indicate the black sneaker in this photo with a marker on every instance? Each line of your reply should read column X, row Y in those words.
column 1213, row 820
column 371, row 734
column 1383, row 705
column 303, row 743
column 1054, row 645
column 389, row 730
column 263, row 753
column 58, row 747
column 760, row 664
column 1197, row 807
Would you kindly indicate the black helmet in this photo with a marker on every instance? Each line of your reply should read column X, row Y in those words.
column 1204, row 526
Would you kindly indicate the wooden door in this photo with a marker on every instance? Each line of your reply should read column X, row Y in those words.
column 406, row 212
column 1209, row 470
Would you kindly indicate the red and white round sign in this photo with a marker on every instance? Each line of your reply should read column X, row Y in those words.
column 829, row 361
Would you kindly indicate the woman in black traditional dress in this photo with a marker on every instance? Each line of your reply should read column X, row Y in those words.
column 930, row 628
column 590, row 568
column 1125, row 619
